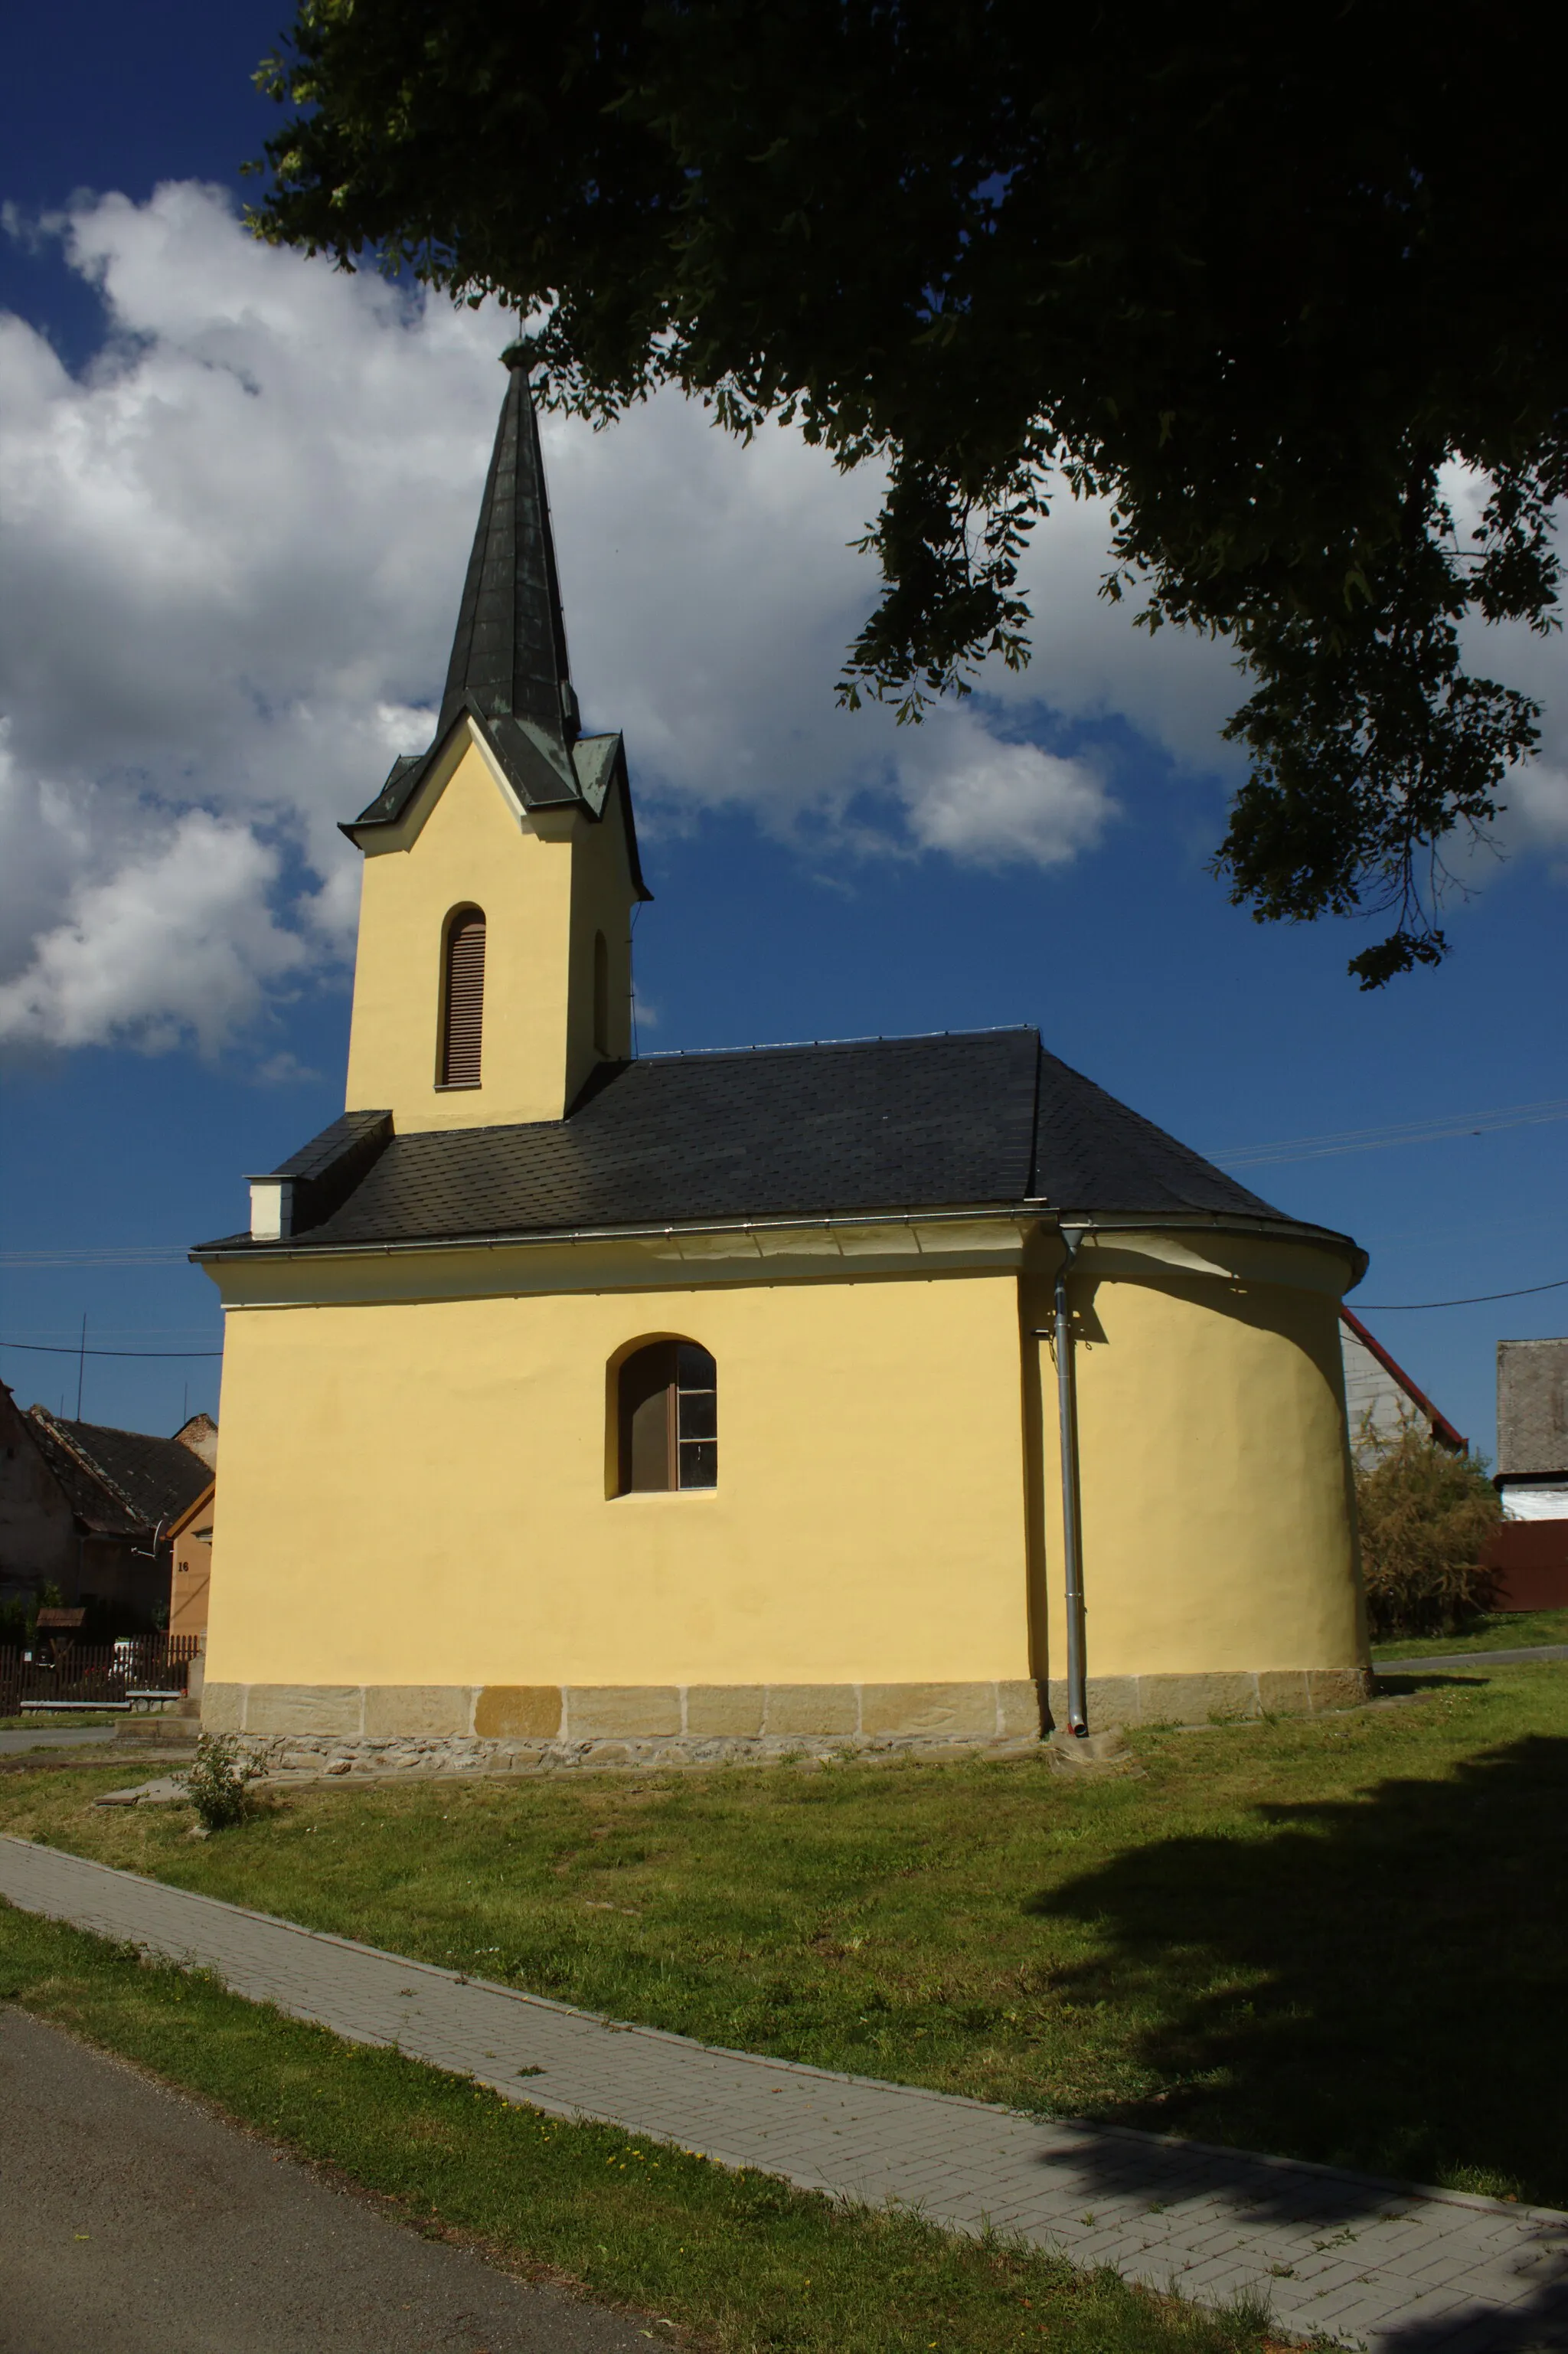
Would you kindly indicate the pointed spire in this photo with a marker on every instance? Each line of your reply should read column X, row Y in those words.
column 509, row 656
column 508, row 672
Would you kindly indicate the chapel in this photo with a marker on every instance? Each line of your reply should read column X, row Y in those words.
column 580, row 1402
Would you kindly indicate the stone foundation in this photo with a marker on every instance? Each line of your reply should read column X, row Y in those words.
column 1220, row 1697
column 499, row 1728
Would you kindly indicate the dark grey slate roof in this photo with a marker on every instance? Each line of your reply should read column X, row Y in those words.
column 324, row 1172
column 510, row 651
column 119, row 1482
column 958, row 1120
column 508, row 671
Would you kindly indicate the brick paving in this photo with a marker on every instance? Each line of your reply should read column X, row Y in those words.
column 1366, row 2262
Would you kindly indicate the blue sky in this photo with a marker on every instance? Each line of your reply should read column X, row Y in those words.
column 237, row 492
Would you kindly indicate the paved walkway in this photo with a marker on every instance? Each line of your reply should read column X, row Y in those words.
column 1403, row 2272
column 1473, row 1659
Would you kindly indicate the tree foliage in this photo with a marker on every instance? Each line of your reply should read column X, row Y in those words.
column 1258, row 275
column 1426, row 1514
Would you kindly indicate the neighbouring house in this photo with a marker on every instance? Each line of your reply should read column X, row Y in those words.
column 721, row 1400
column 1380, row 1399
column 200, row 1434
column 190, row 1548
column 89, row 1510
column 39, row 1540
column 1529, row 1551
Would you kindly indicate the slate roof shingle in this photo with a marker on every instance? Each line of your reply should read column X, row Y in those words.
column 957, row 1120
column 508, row 671
column 119, row 1482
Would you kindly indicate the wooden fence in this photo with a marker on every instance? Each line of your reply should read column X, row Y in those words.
column 1529, row 1563
column 94, row 1675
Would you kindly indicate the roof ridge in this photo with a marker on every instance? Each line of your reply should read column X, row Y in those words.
column 876, row 1038
column 58, row 1431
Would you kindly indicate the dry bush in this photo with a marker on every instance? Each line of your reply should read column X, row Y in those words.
column 1425, row 1515
column 219, row 1783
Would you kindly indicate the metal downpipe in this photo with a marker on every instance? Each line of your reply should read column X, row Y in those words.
column 1072, row 1509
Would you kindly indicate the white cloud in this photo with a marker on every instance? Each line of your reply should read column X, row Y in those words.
column 227, row 549
column 1537, row 800
column 232, row 557
column 994, row 804
column 177, row 943
column 710, row 592
column 233, row 552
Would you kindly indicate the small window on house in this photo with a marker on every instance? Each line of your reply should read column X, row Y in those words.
column 463, row 999
column 667, row 1418
column 600, row 995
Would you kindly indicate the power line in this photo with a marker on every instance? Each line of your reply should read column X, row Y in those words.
column 1379, row 1139
column 44, row 1348
column 100, row 1255
column 1472, row 1299
column 108, row 1334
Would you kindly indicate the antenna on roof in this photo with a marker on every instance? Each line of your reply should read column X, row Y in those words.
column 80, row 1366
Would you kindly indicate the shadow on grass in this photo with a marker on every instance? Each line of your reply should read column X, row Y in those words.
column 1410, row 1681
column 1376, row 1983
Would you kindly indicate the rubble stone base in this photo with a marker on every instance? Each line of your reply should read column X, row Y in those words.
column 359, row 1759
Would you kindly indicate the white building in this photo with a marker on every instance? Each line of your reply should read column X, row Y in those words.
column 1532, row 1430
column 1380, row 1399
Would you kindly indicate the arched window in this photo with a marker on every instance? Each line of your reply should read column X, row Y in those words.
column 600, row 995
column 463, row 999
column 667, row 1417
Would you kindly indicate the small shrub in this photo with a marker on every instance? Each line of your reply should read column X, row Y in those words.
column 219, row 1783
column 1425, row 1515
column 19, row 1613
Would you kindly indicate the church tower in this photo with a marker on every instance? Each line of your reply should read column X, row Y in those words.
column 494, row 962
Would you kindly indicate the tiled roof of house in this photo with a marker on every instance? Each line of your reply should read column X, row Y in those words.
column 959, row 1120
column 1532, row 1408
column 119, row 1482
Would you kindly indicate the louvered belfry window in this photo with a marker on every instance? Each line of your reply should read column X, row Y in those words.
column 462, row 1010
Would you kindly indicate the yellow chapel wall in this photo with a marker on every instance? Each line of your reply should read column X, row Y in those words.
column 603, row 900
column 545, row 884
column 1218, row 1510
column 415, row 1494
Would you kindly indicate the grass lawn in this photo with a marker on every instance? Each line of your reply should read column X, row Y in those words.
column 1498, row 1630
column 738, row 2262
column 1338, row 1939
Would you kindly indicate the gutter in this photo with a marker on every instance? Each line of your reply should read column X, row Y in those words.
column 1060, row 1334
column 1032, row 1212
column 1072, row 1504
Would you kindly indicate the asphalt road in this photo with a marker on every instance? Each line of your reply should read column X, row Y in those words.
column 55, row 1736
column 133, row 2219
